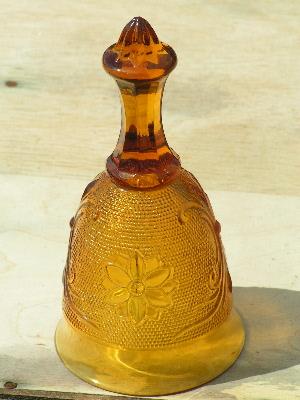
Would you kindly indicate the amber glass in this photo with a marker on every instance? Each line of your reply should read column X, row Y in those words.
column 147, row 306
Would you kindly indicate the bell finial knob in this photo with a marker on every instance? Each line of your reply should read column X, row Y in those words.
column 138, row 30
column 139, row 54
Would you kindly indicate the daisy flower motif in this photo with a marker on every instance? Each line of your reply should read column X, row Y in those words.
column 138, row 287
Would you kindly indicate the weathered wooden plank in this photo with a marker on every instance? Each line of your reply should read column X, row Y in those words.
column 231, row 106
column 24, row 394
column 47, row 395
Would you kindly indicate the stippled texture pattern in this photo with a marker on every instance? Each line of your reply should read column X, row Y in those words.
column 146, row 269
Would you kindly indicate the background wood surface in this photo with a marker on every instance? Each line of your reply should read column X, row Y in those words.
column 231, row 110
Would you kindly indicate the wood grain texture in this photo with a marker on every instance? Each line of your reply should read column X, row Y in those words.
column 47, row 395
column 230, row 107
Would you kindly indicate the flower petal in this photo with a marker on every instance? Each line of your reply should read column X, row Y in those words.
column 158, row 298
column 123, row 309
column 137, row 266
column 153, row 313
column 108, row 284
column 121, row 261
column 137, row 308
column 117, row 296
column 117, row 275
column 169, row 286
column 152, row 263
column 157, row 277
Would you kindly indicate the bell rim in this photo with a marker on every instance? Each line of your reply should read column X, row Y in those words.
column 212, row 353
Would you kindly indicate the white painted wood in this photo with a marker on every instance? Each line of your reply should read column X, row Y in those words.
column 234, row 94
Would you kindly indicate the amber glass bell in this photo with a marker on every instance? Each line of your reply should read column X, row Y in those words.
column 147, row 307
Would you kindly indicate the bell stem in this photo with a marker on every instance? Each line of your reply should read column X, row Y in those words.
column 141, row 129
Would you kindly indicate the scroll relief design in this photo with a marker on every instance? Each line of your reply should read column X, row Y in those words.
column 86, row 208
column 138, row 287
column 219, row 281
